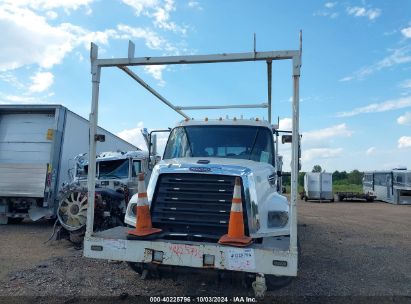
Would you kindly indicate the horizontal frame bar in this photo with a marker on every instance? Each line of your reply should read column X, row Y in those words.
column 246, row 106
column 192, row 59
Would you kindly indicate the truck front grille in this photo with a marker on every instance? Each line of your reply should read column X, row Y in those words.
column 188, row 205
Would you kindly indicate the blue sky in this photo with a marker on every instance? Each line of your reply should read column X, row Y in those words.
column 355, row 81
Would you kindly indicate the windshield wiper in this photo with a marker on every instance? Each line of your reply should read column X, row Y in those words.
column 254, row 142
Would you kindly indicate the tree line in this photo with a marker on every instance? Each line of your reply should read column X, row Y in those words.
column 339, row 177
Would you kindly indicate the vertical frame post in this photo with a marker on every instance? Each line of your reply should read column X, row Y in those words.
column 269, row 78
column 295, row 155
column 93, row 119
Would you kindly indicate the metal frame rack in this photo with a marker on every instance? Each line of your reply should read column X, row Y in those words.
column 124, row 63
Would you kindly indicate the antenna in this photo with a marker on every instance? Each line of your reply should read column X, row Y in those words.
column 255, row 43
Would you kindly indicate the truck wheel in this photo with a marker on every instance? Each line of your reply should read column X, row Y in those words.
column 137, row 267
column 15, row 220
column 77, row 237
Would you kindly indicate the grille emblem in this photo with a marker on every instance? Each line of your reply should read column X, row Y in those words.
column 199, row 169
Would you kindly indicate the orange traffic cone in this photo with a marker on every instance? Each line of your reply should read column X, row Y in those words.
column 144, row 226
column 236, row 236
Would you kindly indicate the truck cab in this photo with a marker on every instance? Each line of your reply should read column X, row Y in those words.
column 190, row 190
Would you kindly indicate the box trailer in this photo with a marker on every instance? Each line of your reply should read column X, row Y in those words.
column 392, row 186
column 38, row 144
column 318, row 186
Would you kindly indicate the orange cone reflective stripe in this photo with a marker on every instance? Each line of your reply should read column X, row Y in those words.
column 236, row 231
column 144, row 225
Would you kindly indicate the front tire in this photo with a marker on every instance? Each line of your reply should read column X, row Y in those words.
column 77, row 237
column 137, row 267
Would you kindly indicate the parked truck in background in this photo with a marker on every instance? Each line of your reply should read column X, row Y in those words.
column 116, row 183
column 211, row 170
column 38, row 144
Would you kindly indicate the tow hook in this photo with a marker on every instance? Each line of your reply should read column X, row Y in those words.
column 259, row 285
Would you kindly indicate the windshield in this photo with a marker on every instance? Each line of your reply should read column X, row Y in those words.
column 108, row 169
column 113, row 168
column 242, row 142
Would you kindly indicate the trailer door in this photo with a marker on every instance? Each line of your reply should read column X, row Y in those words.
column 25, row 150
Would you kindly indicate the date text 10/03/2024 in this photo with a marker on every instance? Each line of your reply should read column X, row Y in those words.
column 205, row 299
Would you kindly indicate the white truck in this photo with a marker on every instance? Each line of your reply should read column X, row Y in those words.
column 318, row 186
column 37, row 147
column 116, row 183
column 191, row 189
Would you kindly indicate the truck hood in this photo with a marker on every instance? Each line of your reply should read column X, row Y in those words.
column 218, row 165
column 258, row 181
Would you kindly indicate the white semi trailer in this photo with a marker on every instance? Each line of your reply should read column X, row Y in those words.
column 38, row 144
column 191, row 189
column 318, row 186
column 393, row 186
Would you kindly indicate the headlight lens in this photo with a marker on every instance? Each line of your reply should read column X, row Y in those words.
column 277, row 219
column 133, row 209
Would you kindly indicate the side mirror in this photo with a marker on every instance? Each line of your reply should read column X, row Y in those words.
column 286, row 139
column 153, row 144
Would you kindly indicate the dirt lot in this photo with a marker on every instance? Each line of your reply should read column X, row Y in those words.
column 348, row 249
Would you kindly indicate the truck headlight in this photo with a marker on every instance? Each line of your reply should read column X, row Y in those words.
column 277, row 219
column 133, row 209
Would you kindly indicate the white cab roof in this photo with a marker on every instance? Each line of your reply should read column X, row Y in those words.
column 226, row 122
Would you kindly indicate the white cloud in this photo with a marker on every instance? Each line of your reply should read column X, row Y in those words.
column 347, row 78
column 327, row 11
column 357, row 11
column 156, row 71
column 135, row 137
column 195, row 4
column 15, row 99
column 67, row 5
column 41, row 81
column 315, row 153
column 159, row 11
column 162, row 17
column 285, row 124
column 43, row 44
column 397, row 57
column 404, row 119
column 332, row 15
column 404, row 142
column 141, row 5
column 152, row 39
column 51, row 15
column 330, row 4
column 11, row 79
column 406, row 84
column 370, row 151
column 46, row 45
column 340, row 130
column 388, row 105
column 406, row 32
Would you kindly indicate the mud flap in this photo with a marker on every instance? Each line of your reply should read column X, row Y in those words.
column 36, row 213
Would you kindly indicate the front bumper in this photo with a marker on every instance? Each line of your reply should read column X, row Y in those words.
column 271, row 257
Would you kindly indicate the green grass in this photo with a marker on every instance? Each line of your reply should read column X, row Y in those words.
column 336, row 188
column 347, row 188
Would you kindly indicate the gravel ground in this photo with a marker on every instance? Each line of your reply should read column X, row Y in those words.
column 348, row 249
